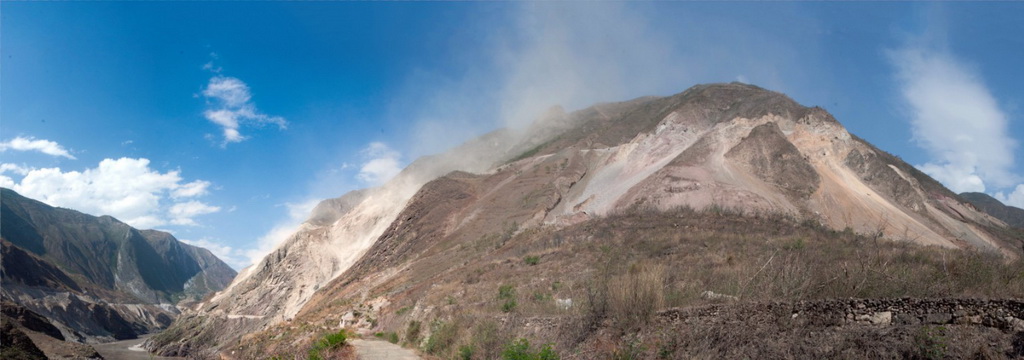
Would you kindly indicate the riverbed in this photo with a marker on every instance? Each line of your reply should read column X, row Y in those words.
column 128, row 350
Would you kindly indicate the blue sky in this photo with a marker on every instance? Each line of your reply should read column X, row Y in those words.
column 225, row 122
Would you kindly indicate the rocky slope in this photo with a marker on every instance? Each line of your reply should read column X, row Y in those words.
column 722, row 148
column 96, row 278
column 1013, row 216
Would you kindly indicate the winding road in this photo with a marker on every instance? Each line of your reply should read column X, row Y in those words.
column 368, row 349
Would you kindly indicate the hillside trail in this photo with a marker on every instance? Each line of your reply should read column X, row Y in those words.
column 381, row 350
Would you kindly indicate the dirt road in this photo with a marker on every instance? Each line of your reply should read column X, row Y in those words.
column 381, row 350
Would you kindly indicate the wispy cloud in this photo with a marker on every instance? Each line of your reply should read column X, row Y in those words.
column 955, row 118
column 230, row 106
column 1013, row 198
column 125, row 188
column 566, row 54
column 382, row 164
column 32, row 144
column 236, row 258
column 182, row 213
column 15, row 168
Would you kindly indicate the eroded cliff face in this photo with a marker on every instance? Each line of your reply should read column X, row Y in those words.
column 726, row 146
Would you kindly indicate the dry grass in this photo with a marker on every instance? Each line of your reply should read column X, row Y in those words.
column 620, row 270
column 635, row 296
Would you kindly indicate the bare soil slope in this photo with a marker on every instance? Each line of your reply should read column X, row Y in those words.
column 725, row 175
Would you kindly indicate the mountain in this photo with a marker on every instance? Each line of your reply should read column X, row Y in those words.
column 582, row 204
column 97, row 279
column 1012, row 216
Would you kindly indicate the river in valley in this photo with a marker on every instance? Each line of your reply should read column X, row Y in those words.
column 128, row 350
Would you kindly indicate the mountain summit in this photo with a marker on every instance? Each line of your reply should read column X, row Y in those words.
column 95, row 278
column 448, row 222
column 1013, row 216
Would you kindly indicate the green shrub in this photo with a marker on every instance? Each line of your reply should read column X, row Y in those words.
column 328, row 342
column 532, row 260
column 442, row 337
column 390, row 337
column 517, row 350
column 506, row 292
column 466, row 352
column 509, row 305
column 520, row 350
column 412, row 333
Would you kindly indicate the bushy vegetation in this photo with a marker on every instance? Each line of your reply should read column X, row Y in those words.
column 442, row 337
column 391, row 337
column 615, row 277
column 412, row 333
column 645, row 262
column 507, row 294
column 520, row 350
column 466, row 352
column 327, row 343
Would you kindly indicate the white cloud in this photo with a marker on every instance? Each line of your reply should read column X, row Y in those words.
column 567, row 54
column 382, row 164
column 233, row 257
column 209, row 66
column 32, row 144
column 125, row 188
column 15, row 168
column 182, row 213
column 956, row 119
column 233, row 92
column 231, row 107
column 1015, row 198
column 6, row 181
column 192, row 189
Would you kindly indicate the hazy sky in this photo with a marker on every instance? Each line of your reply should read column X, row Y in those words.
column 224, row 122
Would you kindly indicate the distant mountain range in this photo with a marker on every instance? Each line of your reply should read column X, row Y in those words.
column 96, row 279
column 631, row 179
column 1013, row 216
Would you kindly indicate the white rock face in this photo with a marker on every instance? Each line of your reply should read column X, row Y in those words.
column 320, row 250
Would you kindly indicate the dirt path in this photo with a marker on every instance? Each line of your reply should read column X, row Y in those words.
column 127, row 350
column 381, row 350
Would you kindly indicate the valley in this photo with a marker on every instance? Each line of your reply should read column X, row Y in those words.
column 511, row 180
column 725, row 221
